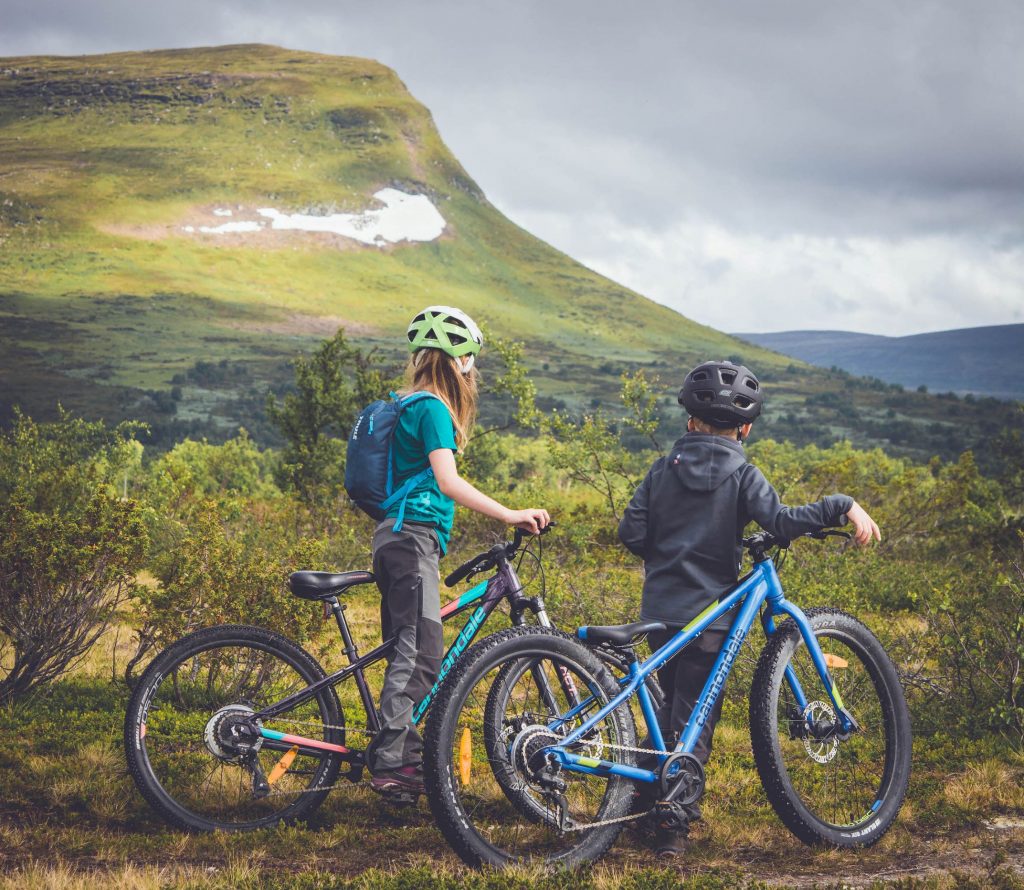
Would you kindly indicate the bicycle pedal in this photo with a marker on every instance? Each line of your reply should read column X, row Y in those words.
column 398, row 798
column 668, row 815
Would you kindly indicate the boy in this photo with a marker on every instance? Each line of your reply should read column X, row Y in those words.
column 686, row 520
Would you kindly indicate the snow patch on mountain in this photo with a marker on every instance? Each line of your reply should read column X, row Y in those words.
column 403, row 217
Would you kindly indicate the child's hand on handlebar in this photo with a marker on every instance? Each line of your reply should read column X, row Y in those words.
column 531, row 520
column 864, row 527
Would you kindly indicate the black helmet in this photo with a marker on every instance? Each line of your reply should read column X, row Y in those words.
column 722, row 394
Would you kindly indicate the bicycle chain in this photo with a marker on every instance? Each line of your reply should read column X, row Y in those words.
column 576, row 827
column 586, row 826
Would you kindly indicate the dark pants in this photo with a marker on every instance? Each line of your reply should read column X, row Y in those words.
column 682, row 680
column 406, row 566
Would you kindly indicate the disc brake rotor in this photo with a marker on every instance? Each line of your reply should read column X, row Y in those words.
column 820, row 748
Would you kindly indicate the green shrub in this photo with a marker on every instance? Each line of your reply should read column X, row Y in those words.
column 219, row 559
column 69, row 547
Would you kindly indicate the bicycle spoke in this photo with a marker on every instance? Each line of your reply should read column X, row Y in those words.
column 838, row 780
column 189, row 741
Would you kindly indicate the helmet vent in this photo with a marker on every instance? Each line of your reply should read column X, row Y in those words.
column 704, row 395
column 750, row 383
column 728, row 376
column 700, row 376
column 742, row 402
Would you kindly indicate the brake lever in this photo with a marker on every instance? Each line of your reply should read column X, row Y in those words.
column 520, row 536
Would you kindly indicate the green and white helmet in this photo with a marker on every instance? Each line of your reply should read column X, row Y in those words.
column 447, row 329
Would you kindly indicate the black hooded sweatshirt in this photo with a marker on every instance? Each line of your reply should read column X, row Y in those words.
column 687, row 518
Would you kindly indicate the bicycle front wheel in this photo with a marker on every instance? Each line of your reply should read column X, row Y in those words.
column 535, row 813
column 830, row 788
column 192, row 708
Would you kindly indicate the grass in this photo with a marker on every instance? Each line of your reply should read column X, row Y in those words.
column 70, row 816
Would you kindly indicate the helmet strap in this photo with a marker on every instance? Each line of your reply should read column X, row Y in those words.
column 467, row 366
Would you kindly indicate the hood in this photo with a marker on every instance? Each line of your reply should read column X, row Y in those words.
column 702, row 462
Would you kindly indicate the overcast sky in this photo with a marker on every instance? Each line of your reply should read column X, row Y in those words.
column 756, row 165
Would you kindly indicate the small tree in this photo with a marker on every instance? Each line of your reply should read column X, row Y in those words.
column 331, row 387
column 218, row 557
column 69, row 547
column 591, row 451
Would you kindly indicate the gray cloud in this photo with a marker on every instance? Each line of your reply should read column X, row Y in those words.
column 845, row 164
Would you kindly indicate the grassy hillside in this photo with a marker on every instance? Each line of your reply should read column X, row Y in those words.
column 985, row 361
column 111, row 305
column 107, row 158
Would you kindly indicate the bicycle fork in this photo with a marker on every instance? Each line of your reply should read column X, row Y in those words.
column 777, row 604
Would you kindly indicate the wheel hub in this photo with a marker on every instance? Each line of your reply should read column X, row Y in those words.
column 527, row 745
column 232, row 733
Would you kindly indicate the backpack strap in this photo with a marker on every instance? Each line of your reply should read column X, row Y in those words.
column 401, row 495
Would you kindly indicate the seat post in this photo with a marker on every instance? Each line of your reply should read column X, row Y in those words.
column 346, row 637
column 372, row 721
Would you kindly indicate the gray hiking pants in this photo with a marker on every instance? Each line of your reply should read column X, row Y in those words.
column 406, row 566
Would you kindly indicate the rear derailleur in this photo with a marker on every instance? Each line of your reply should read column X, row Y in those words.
column 233, row 736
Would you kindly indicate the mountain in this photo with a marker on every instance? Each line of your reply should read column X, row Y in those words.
column 140, row 205
column 984, row 360
column 176, row 226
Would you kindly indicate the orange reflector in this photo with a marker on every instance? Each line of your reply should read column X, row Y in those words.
column 834, row 661
column 281, row 767
column 465, row 755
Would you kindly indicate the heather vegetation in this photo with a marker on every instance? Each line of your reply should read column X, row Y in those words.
column 109, row 550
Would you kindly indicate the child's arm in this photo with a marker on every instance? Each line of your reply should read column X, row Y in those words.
column 864, row 527
column 442, row 462
column 766, row 508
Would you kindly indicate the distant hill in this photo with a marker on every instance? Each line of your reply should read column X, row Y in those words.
column 984, row 361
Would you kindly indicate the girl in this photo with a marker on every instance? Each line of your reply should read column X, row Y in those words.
column 430, row 431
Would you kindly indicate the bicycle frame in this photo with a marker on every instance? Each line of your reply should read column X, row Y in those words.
column 761, row 587
column 485, row 596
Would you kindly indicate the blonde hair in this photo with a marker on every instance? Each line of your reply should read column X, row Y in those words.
column 437, row 372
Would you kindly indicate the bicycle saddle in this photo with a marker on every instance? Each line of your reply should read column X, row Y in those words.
column 617, row 634
column 324, row 585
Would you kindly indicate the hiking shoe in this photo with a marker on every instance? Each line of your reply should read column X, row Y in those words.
column 669, row 844
column 405, row 782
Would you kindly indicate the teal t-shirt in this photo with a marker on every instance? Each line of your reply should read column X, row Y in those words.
column 424, row 426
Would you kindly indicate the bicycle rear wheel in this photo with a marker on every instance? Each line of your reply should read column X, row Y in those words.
column 827, row 788
column 502, row 720
column 186, row 715
column 488, row 826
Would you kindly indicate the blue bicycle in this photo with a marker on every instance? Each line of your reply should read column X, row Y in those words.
column 514, row 775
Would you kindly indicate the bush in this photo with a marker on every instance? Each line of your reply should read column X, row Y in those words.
column 69, row 547
column 219, row 558
column 982, row 650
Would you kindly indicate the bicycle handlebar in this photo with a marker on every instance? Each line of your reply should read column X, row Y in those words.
column 763, row 540
column 482, row 562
